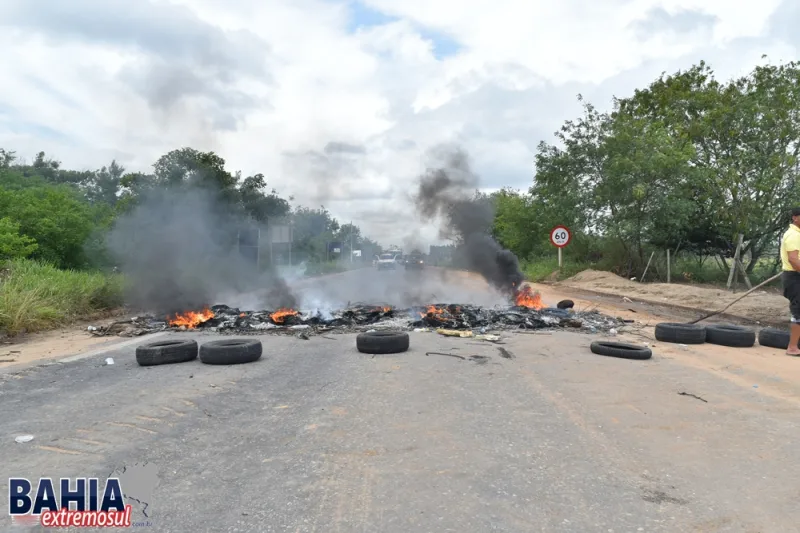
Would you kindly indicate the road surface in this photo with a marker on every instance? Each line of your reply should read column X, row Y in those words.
column 316, row 437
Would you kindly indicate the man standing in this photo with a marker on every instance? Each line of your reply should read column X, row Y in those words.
column 790, row 256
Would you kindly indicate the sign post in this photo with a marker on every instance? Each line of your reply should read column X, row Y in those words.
column 560, row 237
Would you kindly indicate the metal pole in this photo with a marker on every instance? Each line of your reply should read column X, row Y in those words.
column 559, row 257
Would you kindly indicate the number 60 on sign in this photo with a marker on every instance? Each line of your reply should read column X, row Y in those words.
column 560, row 237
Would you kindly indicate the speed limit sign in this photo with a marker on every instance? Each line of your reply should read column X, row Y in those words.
column 560, row 236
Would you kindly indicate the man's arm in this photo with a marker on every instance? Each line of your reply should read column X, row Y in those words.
column 794, row 260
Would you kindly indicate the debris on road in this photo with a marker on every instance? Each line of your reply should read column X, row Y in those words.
column 453, row 333
column 23, row 439
column 109, row 361
column 361, row 317
column 696, row 397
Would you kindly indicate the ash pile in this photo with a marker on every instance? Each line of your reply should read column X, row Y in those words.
column 361, row 317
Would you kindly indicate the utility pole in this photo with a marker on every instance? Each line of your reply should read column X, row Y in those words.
column 351, row 241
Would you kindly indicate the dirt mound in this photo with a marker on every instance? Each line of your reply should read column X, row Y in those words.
column 764, row 306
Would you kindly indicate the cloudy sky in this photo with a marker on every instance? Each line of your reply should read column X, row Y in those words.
column 336, row 102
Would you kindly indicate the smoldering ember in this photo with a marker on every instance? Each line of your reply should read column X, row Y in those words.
column 526, row 313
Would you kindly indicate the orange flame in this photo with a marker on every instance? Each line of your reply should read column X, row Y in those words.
column 435, row 311
column 279, row 316
column 191, row 319
column 527, row 297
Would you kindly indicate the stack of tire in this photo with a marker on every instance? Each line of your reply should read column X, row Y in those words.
column 721, row 334
column 220, row 352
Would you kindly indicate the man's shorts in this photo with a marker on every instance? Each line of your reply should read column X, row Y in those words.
column 791, row 291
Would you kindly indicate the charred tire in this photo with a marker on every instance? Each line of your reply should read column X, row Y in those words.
column 166, row 352
column 774, row 338
column 231, row 351
column 621, row 350
column 565, row 304
column 382, row 342
column 681, row 333
column 733, row 336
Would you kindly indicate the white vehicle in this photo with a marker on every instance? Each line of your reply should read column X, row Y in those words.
column 387, row 262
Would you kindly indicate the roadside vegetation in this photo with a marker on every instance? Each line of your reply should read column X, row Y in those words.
column 686, row 164
column 54, row 265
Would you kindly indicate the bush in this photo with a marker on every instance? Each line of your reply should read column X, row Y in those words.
column 35, row 296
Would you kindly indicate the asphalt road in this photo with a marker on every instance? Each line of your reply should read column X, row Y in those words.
column 318, row 437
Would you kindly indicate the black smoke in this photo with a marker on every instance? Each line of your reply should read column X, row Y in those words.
column 178, row 248
column 449, row 190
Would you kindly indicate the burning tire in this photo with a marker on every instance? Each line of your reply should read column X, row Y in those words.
column 773, row 338
column 621, row 350
column 382, row 342
column 230, row 351
column 733, row 336
column 166, row 352
column 681, row 333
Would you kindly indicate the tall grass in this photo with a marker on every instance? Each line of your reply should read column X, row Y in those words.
column 36, row 296
column 546, row 269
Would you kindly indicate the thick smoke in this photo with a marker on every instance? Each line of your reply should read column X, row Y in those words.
column 448, row 190
column 178, row 248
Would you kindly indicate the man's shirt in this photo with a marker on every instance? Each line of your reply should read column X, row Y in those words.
column 790, row 243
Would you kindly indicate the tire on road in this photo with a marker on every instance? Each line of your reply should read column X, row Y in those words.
column 565, row 304
column 774, row 338
column 231, row 351
column 621, row 350
column 680, row 333
column 730, row 335
column 382, row 342
column 166, row 352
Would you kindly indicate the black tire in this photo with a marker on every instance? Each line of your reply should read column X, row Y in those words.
column 166, row 352
column 621, row 350
column 231, row 351
column 774, row 338
column 680, row 333
column 382, row 342
column 729, row 335
column 565, row 304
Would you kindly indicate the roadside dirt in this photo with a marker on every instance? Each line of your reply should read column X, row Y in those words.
column 766, row 371
column 765, row 306
column 61, row 342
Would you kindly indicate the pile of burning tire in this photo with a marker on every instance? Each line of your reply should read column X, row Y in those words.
column 219, row 352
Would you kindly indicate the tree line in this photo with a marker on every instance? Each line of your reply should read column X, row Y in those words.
column 61, row 216
column 687, row 164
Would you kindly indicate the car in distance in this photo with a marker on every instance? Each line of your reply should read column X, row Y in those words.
column 415, row 262
column 387, row 262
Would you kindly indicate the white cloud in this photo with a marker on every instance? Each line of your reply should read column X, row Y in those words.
column 269, row 84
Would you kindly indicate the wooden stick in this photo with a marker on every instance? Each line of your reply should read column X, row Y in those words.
column 735, row 258
column 773, row 278
column 648, row 266
column 743, row 273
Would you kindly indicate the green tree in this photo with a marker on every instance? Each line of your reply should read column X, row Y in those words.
column 55, row 217
column 13, row 244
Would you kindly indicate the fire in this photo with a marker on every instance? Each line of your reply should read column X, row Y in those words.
column 527, row 297
column 435, row 311
column 281, row 314
column 191, row 319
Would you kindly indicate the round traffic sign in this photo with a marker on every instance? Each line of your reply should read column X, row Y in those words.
column 560, row 236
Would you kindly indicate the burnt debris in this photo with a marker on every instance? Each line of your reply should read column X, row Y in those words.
column 225, row 319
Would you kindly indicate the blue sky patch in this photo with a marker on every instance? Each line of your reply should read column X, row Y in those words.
column 363, row 16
